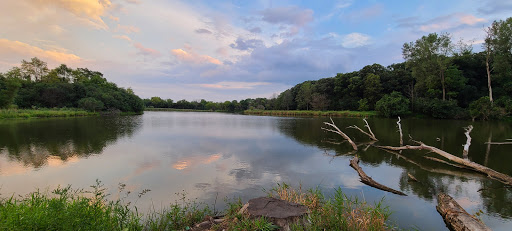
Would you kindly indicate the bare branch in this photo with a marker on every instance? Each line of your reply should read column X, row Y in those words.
column 354, row 163
column 498, row 143
column 468, row 141
column 338, row 131
column 369, row 129
column 411, row 177
column 400, row 130
column 506, row 179
column 361, row 130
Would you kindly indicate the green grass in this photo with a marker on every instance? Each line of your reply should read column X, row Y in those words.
column 312, row 113
column 69, row 209
column 174, row 109
column 43, row 113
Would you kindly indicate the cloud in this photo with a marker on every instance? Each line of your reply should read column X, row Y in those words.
column 89, row 10
column 127, row 29
column 291, row 15
column 203, row 31
column 366, row 13
column 495, row 7
column 441, row 23
column 255, row 30
column 234, row 85
column 16, row 51
column 194, row 58
column 122, row 37
column 146, row 51
column 244, row 45
column 353, row 40
column 343, row 4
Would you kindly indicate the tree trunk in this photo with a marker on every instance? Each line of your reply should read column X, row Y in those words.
column 455, row 217
column 488, row 74
column 442, row 84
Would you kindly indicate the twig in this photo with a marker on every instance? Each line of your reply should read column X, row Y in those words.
column 338, row 131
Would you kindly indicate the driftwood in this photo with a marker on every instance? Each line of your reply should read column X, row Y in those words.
column 371, row 135
column 498, row 143
column 354, row 163
column 506, row 179
column 400, row 130
column 465, row 152
column 338, row 131
column 412, row 178
column 455, row 217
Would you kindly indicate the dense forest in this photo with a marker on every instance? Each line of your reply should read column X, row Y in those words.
column 34, row 85
column 439, row 78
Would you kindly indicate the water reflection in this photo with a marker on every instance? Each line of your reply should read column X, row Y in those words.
column 212, row 156
column 54, row 142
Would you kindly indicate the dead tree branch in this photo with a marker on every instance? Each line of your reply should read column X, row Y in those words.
column 455, row 217
column 338, row 131
column 412, row 178
column 498, row 143
column 369, row 129
column 354, row 163
column 506, row 179
column 400, row 130
column 468, row 141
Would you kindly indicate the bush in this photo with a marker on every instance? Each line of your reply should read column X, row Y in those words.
column 393, row 104
column 90, row 104
column 483, row 109
column 441, row 109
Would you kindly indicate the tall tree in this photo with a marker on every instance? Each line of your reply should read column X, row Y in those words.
column 305, row 95
column 428, row 57
column 36, row 68
column 498, row 50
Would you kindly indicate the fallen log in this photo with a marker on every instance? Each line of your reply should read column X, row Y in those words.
column 506, row 179
column 455, row 217
column 354, row 163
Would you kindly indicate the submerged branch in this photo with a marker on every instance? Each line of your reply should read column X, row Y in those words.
column 506, row 179
column 354, row 163
column 498, row 143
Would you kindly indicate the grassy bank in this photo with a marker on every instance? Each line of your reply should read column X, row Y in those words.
column 43, row 113
column 69, row 209
column 174, row 109
column 312, row 113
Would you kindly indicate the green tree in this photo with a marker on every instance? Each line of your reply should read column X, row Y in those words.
column 8, row 89
column 428, row 57
column 372, row 89
column 35, row 68
column 305, row 96
column 498, row 50
column 393, row 104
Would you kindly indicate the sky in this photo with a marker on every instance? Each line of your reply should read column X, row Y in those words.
column 233, row 49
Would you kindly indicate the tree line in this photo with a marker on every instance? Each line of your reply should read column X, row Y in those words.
column 34, row 85
column 439, row 78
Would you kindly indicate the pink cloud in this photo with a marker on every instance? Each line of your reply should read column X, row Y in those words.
column 145, row 50
column 191, row 57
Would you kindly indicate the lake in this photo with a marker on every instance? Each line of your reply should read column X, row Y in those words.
column 213, row 156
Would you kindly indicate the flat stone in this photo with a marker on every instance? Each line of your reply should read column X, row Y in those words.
column 280, row 212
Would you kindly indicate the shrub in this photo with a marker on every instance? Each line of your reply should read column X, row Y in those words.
column 441, row 109
column 90, row 104
column 483, row 109
column 392, row 105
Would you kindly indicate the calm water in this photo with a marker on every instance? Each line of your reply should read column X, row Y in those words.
column 212, row 156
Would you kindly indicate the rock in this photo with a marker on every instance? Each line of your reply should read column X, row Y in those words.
column 279, row 212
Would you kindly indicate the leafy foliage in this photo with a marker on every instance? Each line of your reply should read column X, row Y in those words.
column 392, row 105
